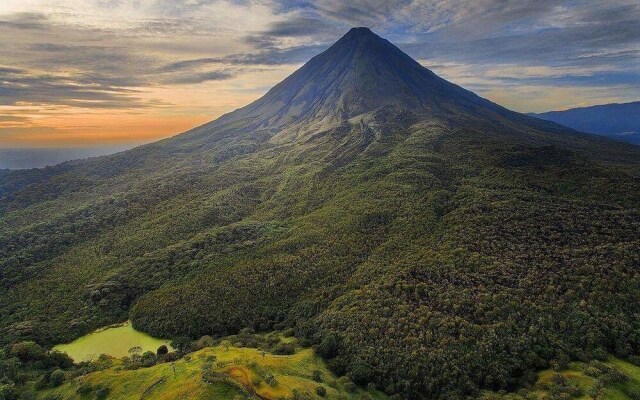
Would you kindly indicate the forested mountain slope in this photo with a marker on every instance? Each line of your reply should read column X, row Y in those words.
column 422, row 237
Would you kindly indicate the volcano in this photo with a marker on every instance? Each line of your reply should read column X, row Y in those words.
column 360, row 74
column 422, row 238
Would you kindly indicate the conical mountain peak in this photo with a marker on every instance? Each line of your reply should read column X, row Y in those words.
column 361, row 73
column 361, row 32
column 359, row 36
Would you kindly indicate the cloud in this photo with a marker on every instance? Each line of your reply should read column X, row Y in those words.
column 24, row 21
column 21, row 86
column 136, row 55
column 199, row 77
column 300, row 26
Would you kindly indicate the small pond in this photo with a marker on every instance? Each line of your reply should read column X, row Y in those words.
column 114, row 340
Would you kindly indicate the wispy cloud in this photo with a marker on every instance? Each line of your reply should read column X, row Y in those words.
column 201, row 58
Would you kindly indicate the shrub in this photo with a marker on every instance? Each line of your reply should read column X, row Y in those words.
column 614, row 375
column 162, row 350
column 208, row 374
column 633, row 393
column 361, row 373
column 28, row 395
column 284, row 349
column 592, row 372
column 28, row 351
column 247, row 331
column 635, row 360
column 57, row 378
column 103, row 362
column 271, row 380
column 7, row 391
column 58, row 359
column 84, row 389
column 337, row 366
column 204, row 341
column 42, row 383
column 596, row 389
column 321, row 391
column 316, row 376
column 600, row 354
column 299, row 395
column 148, row 359
column 102, row 393
column 171, row 357
column 348, row 385
column 329, row 346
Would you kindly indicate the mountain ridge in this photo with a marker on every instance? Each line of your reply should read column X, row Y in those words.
column 618, row 121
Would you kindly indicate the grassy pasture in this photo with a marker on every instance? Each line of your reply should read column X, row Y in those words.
column 245, row 372
column 580, row 375
column 114, row 340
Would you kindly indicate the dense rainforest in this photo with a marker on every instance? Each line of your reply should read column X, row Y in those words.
column 420, row 237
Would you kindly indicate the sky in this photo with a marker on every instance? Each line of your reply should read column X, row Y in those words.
column 86, row 73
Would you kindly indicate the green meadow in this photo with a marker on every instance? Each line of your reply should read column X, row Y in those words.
column 219, row 372
column 614, row 379
column 114, row 340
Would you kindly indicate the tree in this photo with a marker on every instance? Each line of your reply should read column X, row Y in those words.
column 134, row 352
column 162, row 350
column 181, row 344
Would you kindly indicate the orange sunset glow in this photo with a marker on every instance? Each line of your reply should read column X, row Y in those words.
column 76, row 73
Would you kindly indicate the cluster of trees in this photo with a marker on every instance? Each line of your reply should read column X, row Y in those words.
column 27, row 362
column 432, row 262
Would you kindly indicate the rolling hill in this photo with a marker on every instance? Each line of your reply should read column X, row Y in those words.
column 419, row 236
column 616, row 121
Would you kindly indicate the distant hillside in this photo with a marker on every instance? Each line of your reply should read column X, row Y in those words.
column 22, row 158
column 616, row 121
